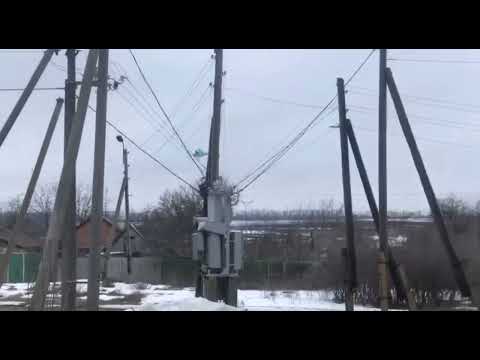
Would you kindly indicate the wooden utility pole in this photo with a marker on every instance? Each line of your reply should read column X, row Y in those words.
column 382, row 158
column 98, row 184
column 20, row 219
column 458, row 270
column 347, row 198
column 62, row 200
column 399, row 281
column 223, row 288
column 47, row 56
column 382, row 153
column 69, row 243
column 214, row 145
column 382, row 281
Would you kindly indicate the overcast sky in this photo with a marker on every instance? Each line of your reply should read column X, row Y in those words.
column 254, row 127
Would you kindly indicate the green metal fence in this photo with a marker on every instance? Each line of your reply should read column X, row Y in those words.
column 23, row 267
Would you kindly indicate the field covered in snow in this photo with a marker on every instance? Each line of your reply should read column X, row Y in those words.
column 145, row 297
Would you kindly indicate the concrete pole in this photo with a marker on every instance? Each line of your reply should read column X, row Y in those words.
column 26, row 94
column 69, row 243
column 111, row 235
column 20, row 220
column 62, row 199
column 98, row 184
column 127, row 212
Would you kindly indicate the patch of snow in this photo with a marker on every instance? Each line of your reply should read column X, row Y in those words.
column 110, row 297
column 12, row 303
column 190, row 304
column 125, row 307
column 13, row 289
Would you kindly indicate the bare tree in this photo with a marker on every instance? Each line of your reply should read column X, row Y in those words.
column 43, row 200
column 83, row 202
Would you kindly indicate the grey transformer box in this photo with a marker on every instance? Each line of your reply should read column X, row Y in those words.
column 219, row 257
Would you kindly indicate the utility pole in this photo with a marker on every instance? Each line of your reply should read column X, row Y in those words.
column 47, row 56
column 399, row 279
column 382, row 159
column 218, row 249
column 127, row 206
column 20, row 219
column 62, row 201
column 347, row 200
column 382, row 152
column 98, row 183
column 111, row 236
column 458, row 270
column 69, row 243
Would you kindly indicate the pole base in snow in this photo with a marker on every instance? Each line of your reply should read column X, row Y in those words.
column 220, row 289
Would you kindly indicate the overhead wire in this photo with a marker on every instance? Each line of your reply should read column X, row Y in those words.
column 276, row 157
column 195, row 109
column 435, row 61
column 164, row 112
column 122, row 133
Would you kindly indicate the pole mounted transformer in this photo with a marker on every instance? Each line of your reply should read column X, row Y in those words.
column 217, row 248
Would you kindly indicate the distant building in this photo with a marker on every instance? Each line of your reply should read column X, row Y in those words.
column 118, row 246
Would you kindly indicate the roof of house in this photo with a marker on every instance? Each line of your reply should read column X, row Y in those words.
column 23, row 240
column 83, row 243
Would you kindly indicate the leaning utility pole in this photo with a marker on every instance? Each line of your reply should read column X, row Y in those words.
column 458, row 271
column 20, row 219
column 349, row 254
column 69, row 243
column 62, row 201
column 396, row 271
column 26, row 94
column 98, row 184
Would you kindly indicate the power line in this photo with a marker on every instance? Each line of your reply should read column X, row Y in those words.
column 204, row 71
column 430, row 120
column 146, row 152
column 431, row 103
column 146, row 105
column 195, row 109
column 429, row 99
column 21, row 51
column 436, row 61
column 163, row 111
column 435, row 122
column 36, row 89
column 271, row 99
column 425, row 139
column 276, row 157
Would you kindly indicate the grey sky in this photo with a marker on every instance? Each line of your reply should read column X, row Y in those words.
column 253, row 128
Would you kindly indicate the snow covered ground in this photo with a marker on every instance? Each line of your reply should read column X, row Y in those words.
column 145, row 297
